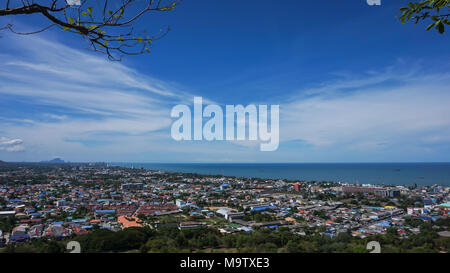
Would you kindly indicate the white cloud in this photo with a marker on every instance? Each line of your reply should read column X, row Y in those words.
column 11, row 145
column 57, row 117
column 6, row 142
column 87, row 99
column 101, row 110
column 15, row 148
column 415, row 105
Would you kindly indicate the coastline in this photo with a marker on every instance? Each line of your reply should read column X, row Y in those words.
column 425, row 174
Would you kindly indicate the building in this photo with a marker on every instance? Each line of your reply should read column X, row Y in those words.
column 157, row 209
column 234, row 215
column 7, row 213
column 415, row 211
column 19, row 234
column 224, row 212
column 180, row 203
column 60, row 203
column 261, row 208
column 187, row 225
column 355, row 189
column 132, row 186
column 230, row 214
column 105, row 211
column 128, row 222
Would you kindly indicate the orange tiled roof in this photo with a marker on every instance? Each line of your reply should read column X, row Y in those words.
column 127, row 223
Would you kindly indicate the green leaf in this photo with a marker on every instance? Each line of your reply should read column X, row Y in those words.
column 84, row 13
column 70, row 20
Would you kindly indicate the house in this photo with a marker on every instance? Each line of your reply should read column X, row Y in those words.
column 128, row 222
column 7, row 213
column 187, row 225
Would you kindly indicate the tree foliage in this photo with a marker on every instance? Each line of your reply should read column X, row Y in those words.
column 108, row 26
column 437, row 11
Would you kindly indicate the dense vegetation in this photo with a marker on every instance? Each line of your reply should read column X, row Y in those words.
column 7, row 223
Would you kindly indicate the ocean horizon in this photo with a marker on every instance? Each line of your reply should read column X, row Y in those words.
column 354, row 173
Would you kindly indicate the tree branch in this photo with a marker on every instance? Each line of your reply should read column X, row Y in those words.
column 106, row 31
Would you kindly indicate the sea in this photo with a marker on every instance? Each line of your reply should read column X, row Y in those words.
column 422, row 174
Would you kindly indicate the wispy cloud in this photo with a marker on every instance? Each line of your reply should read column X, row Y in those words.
column 83, row 107
column 387, row 108
column 11, row 145
column 82, row 94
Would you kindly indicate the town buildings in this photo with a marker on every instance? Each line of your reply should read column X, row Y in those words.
column 68, row 200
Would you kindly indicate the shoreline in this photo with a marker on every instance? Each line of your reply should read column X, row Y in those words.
column 385, row 174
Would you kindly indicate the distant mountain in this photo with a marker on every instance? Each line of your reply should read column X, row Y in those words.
column 2, row 162
column 54, row 161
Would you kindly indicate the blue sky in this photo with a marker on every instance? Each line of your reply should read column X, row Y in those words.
column 353, row 85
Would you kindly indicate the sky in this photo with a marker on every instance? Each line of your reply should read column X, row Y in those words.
column 353, row 85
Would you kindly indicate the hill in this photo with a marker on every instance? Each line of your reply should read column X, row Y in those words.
column 54, row 161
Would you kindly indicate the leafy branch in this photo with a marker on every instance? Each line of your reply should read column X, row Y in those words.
column 107, row 27
column 437, row 11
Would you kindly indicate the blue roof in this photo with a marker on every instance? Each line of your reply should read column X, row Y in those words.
column 106, row 211
column 263, row 208
column 19, row 236
column 383, row 224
